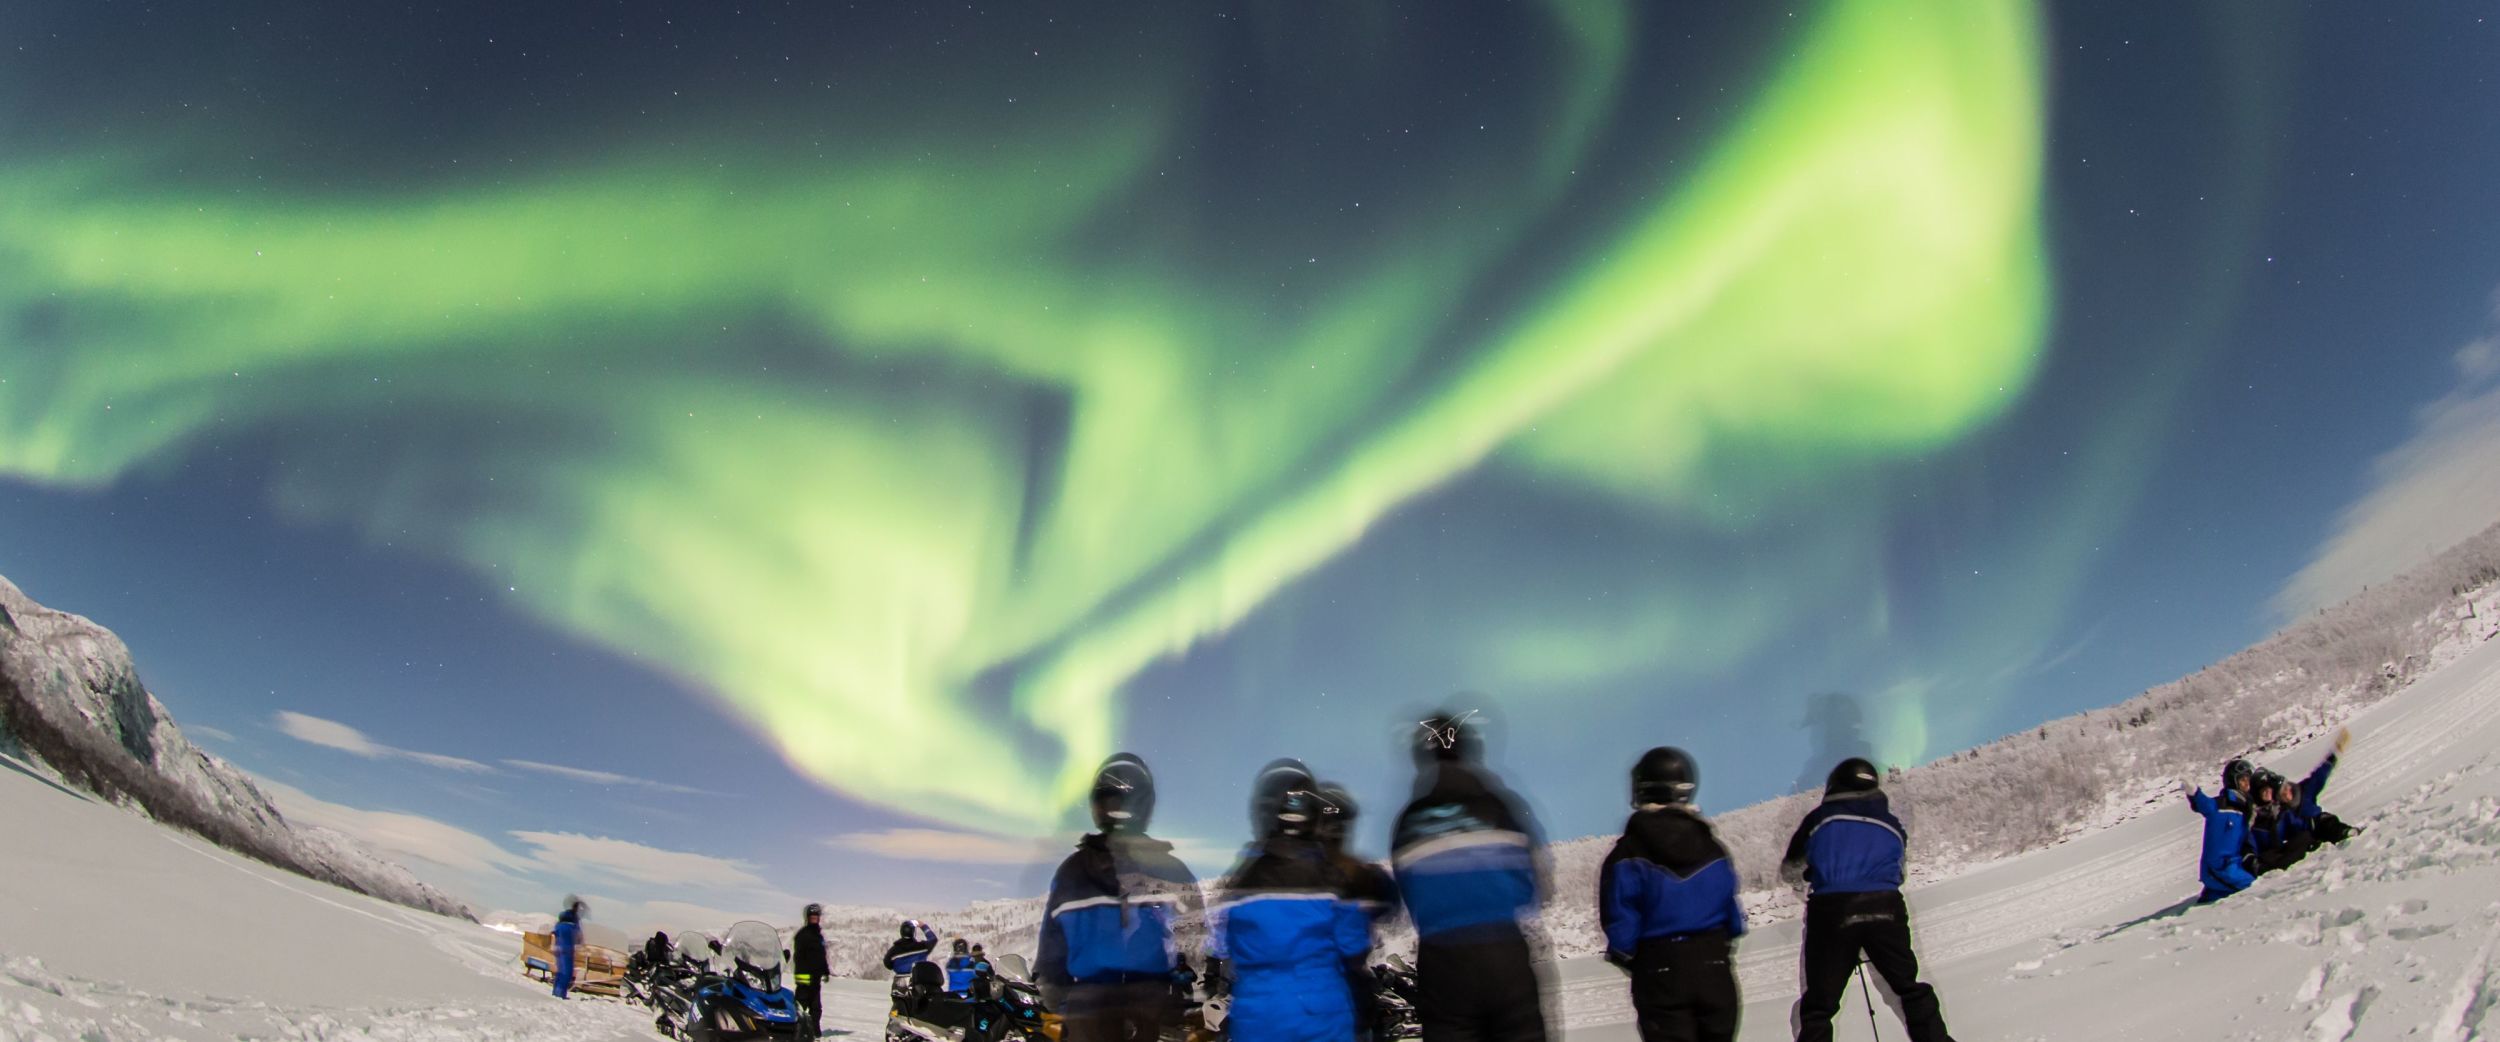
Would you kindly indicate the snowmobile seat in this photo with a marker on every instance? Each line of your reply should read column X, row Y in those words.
column 927, row 981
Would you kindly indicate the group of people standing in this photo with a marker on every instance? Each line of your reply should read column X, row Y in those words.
column 1291, row 925
column 1667, row 897
column 2261, row 821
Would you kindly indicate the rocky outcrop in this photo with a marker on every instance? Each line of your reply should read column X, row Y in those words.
column 71, row 701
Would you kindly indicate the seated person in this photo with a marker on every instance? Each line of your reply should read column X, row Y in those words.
column 959, row 968
column 2222, row 865
column 2265, row 818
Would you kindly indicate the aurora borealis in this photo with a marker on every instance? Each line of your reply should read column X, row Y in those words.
column 964, row 379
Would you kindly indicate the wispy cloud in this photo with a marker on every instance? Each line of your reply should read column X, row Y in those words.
column 406, row 837
column 608, row 778
column 947, row 846
column 205, row 731
column 2439, row 487
column 575, row 854
column 335, row 735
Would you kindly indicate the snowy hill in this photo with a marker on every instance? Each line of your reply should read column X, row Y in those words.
column 71, row 701
column 1980, row 806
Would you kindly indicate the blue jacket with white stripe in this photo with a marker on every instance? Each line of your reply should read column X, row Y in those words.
column 1465, row 857
column 1113, row 909
column 1288, row 927
column 1850, row 844
column 1667, row 877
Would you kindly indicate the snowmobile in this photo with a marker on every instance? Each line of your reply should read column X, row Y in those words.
column 1393, row 1015
column 699, row 1003
column 924, row 1011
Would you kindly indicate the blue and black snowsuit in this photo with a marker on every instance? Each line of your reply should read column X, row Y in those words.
column 1375, row 894
column 1107, row 941
column 908, row 952
column 1850, row 849
column 1465, row 856
column 1287, row 927
column 2223, row 864
column 959, row 971
column 568, row 939
column 2325, row 827
column 1666, row 897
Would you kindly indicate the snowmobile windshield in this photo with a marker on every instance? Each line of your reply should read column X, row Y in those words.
column 754, row 944
column 1013, row 967
column 696, row 948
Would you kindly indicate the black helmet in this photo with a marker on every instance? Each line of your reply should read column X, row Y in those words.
column 1855, row 774
column 577, row 908
column 1124, row 794
column 1665, row 775
column 962, row 946
column 1448, row 735
column 1297, row 814
column 2264, row 785
column 813, row 910
column 1268, row 789
column 1336, row 814
column 2235, row 772
column 907, row 929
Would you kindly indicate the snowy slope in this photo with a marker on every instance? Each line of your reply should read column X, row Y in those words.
column 2390, row 936
column 71, row 700
column 113, row 928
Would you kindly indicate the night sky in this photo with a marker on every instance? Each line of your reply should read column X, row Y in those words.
column 712, row 456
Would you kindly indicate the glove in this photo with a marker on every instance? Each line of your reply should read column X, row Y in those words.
column 2343, row 737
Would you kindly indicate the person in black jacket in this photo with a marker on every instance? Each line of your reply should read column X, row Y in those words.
column 808, row 970
column 911, row 949
column 1666, row 896
column 1465, row 854
column 1368, row 886
column 1849, row 852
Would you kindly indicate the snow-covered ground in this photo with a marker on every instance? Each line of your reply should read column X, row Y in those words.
column 115, row 929
column 2390, row 936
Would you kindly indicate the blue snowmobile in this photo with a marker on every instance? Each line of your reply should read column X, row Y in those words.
column 702, row 1003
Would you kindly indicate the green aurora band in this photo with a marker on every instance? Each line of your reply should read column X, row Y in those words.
column 1853, row 272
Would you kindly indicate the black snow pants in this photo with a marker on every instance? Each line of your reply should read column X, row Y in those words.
column 1137, row 1011
column 1839, row 927
column 1479, row 990
column 1684, row 989
column 811, row 995
column 2295, row 844
column 2331, row 829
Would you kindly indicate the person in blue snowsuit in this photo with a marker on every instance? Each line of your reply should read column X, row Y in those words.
column 2222, row 864
column 1286, row 928
column 568, row 939
column 959, row 967
column 1666, row 896
column 1849, row 851
column 2305, row 812
column 1107, row 958
column 1465, row 856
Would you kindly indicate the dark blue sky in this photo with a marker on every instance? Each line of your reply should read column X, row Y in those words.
column 2266, row 244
